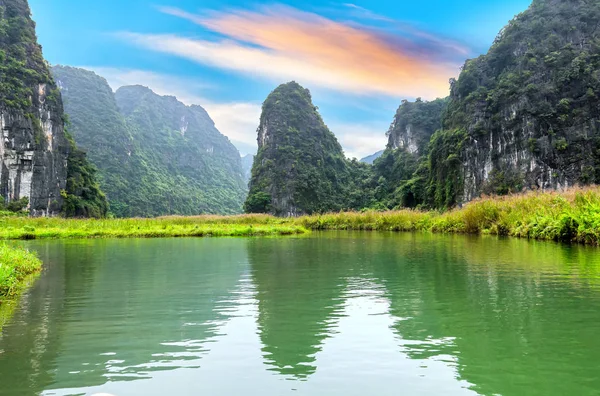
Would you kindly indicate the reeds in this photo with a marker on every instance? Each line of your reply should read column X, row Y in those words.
column 570, row 216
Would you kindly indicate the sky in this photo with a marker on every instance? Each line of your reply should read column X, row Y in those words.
column 359, row 58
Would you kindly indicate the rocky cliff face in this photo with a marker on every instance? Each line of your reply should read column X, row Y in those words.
column 401, row 172
column 526, row 114
column 34, row 154
column 34, row 150
column 300, row 166
column 414, row 124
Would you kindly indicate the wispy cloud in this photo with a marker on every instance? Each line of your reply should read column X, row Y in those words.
column 282, row 43
column 360, row 140
column 236, row 120
column 364, row 13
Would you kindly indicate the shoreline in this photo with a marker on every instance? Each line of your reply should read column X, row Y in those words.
column 572, row 216
column 18, row 269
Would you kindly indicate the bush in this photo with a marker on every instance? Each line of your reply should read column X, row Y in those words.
column 19, row 205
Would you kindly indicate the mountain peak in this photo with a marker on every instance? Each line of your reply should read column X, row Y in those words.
column 300, row 166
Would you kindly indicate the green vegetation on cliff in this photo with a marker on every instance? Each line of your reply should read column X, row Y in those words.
column 528, row 108
column 155, row 156
column 22, row 66
column 402, row 173
column 193, row 168
column 300, row 167
column 82, row 197
column 523, row 116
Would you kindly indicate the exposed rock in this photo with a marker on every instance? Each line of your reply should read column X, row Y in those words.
column 414, row 124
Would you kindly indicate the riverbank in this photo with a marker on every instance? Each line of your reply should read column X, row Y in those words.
column 16, row 266
column 572, row 216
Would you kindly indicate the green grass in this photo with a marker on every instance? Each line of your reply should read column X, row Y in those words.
column 16, row 264
column 571, row 216
column 202, row 226
column 18, row 267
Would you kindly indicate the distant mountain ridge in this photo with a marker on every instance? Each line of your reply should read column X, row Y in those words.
column 247, row 162
column 371, row 158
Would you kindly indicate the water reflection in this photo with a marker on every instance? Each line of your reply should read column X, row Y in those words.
column 299, row 299
column 95, row 317
column 337, row 313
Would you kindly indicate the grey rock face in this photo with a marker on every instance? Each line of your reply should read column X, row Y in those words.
column 517, row 147
column 544, row 130
column 414, row 124
column 34, row 154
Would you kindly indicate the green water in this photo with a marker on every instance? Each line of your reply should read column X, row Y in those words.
column 343, row 314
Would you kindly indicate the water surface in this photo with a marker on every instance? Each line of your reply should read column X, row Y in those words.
column 331, row 314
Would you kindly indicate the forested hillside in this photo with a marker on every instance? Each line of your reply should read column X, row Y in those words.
column 155, row 155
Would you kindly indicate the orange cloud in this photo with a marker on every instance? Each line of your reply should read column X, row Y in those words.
column 280, row 42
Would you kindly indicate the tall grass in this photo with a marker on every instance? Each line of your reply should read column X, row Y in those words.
column 570, row 216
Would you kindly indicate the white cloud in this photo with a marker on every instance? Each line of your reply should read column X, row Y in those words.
column 237, row 120
column 360, row 140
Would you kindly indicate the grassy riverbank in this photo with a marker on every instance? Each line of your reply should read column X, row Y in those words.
column 18, row 268
column 571, row 216
column 16, row 264
column 52, row 228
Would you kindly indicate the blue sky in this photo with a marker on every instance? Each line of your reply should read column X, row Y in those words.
column 358, row 58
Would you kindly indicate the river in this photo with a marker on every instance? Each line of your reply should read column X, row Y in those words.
column 336, row 313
